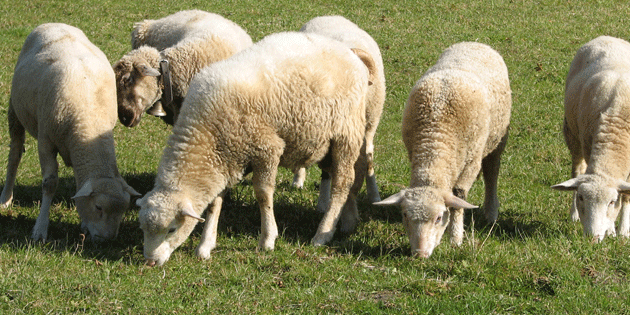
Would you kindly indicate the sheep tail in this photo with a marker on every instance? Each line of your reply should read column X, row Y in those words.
column 368, row 61
column 139, row 33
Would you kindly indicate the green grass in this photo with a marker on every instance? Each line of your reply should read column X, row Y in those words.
column 533, row 260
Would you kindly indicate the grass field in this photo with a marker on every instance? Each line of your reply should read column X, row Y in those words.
column 533, row 260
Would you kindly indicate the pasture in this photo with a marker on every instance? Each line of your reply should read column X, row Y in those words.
column 533, row 260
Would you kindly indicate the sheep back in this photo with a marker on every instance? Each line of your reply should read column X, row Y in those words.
column 458, row 111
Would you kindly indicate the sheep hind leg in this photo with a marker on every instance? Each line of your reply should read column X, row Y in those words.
column 624, row 222
column 49, row 166
column 18, row 135
column 350, row 213
column 342, row 176
column 370, row 176
column 209, row 235
column 299, row 175
column 323, row 202
column 490, row 166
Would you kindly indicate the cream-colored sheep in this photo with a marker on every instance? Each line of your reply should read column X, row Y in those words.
column 455, row 124
column 64, row 95
column 291, row 100
column 188, row 41
column 343, row 30
column 596, row 131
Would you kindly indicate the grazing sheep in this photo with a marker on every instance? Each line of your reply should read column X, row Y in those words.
column 596, row 131
column 171, row 50
column 343, row 30
column 455, row 124
column 291, row 100
column 63, row 94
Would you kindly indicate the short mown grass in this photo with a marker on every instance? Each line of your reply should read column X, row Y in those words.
column 533, row 260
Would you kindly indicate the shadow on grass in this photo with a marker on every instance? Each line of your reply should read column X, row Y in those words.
column 295, row 215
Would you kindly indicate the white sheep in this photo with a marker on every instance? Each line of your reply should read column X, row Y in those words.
column 166, row 54
column 596, row 131
column 345, row 31
column 455, row 124
column 63, row 93
column 291, row 100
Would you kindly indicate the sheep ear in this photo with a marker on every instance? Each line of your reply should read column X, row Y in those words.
column 128, row 189
column 457, row 203
column 393, row 200
column 623, row 187
column 139, row 202
column 188, row 211
column 571, row 184
column 368, row 61
column 145, row 70
column 85, row 191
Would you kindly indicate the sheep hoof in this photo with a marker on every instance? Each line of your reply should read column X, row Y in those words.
column 5, row 204
column 321, row 239
column 575, row 217
column 203, row 254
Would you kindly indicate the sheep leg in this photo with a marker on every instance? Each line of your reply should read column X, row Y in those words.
column 324, row 193
column 490, row 166
column 578, row 163
column 209, row 235
column 263, row 180
column 350, row 213
column 370, row 177
column 624, row 222
column 17, row 134
column 49, row 166
column 455, row 227
column 299, row 175
column 342, row 176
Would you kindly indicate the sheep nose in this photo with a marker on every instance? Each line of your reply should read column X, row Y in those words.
column 150, row 262
column 421, row 253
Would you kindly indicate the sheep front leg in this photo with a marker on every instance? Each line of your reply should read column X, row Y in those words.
column 578, row 163
column 209, row 235
column 490, row 166
column 17, row 134
column 263, row 180
column 49, row 166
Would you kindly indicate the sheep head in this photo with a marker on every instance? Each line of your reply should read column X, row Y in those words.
column 101, row 204
column 137, row 84
column 597, row 199
column 166, row 221
column 425, row 212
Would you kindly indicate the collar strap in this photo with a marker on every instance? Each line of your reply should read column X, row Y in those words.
column 167, row 94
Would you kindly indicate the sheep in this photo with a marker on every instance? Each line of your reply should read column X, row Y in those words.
column 291, row 100
column 455, row 123
column 596, row 130
column 166, row 54
column 345, row 31
column 63, row 94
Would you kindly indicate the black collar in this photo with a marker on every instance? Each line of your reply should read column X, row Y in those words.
column 167, row 93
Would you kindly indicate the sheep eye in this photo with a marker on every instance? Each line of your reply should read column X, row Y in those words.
column 580, row 198
column 171, row 230
column 438, row 220
column 612, row 203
